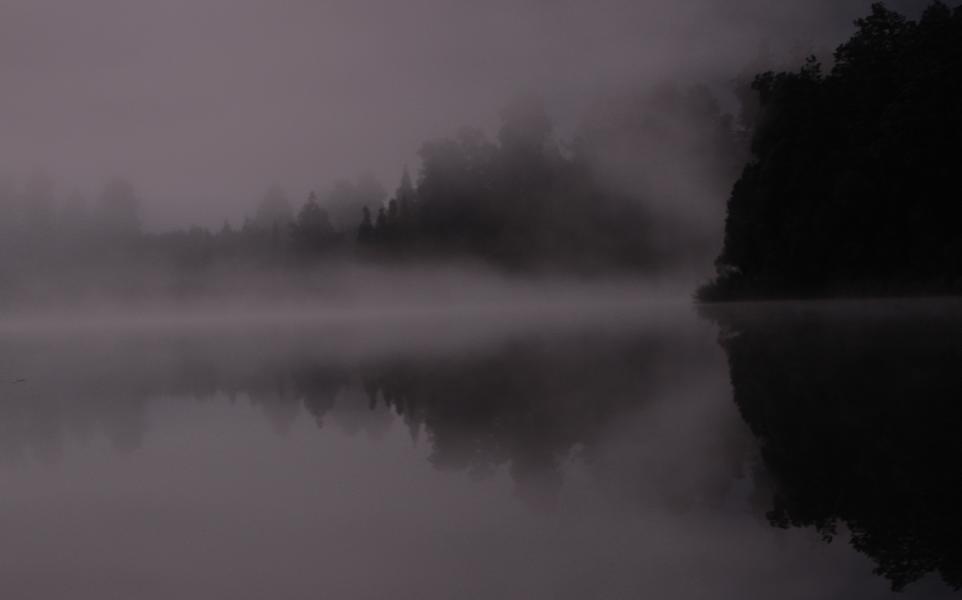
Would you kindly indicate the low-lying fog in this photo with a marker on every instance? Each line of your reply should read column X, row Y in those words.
column 430, row 305
column 433, row 361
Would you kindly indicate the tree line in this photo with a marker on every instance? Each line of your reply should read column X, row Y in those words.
column 847, row 186
column 525, row 200
column 853, row 185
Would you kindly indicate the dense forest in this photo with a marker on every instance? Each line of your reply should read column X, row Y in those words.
column 853, row 187
column 848, row 186
column 609, row 197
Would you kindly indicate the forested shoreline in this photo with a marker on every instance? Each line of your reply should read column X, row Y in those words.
column 527, row 202
column 848, row 186
column 853, row 189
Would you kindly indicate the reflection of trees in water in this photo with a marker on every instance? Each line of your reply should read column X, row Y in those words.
column 532, row 406
column 35, row 427
column 857, row 413
column 522, row 406
column 526, row 406
column 60, row 395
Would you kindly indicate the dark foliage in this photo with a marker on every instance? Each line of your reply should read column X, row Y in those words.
column 527, row 201
column 518, row 203
column 854, row 185
column 312, row 231
column 614, row 198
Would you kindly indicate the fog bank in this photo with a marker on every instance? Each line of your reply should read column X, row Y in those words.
column 203, row 104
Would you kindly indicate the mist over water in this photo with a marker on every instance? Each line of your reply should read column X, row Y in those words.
column 403, row 300
column 603, row 453
column 356, row 298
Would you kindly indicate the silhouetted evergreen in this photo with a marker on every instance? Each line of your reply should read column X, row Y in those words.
column 611, row 198
column 529, row 201
column 346, row 199
column 312, row 231
column 853, row 188
column 365, row 231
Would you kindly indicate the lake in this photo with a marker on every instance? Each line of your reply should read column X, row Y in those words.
column 598, row 450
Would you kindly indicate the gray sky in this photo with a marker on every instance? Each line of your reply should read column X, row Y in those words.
column 203, row 103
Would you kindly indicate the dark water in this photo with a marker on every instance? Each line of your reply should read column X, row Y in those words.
column 776, row 451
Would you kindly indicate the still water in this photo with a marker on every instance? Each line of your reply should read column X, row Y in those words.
column 754, row 451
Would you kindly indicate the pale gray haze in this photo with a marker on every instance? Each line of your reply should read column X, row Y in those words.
column 489, row 377
column 203, row 103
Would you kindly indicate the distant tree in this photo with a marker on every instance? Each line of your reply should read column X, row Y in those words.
column 312, row 231
column 346, row 199
column 365, row 232
column 406, row 199
column 369, row 191
column 381, row 225
column 523, row 202
column 393, row 220
column 456, row 204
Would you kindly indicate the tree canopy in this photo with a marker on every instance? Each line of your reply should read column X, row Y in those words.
column 853, row 187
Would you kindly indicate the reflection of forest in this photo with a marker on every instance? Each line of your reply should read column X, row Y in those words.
column 857, row 413
column 527, row 405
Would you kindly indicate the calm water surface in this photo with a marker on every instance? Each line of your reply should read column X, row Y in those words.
column 765, row 451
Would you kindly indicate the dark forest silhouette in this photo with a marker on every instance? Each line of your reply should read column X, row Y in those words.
column 854, row 187
column 525, row 201
column 850, row 189
column 856, row 412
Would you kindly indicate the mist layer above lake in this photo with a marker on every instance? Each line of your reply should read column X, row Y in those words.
column 582, row 449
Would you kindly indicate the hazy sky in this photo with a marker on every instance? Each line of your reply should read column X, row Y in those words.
column 204, row 103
